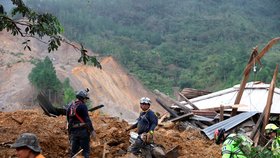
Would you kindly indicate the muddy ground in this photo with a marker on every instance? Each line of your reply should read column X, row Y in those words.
column 112, row 138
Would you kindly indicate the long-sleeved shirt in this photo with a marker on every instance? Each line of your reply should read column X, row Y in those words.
column 147, row 121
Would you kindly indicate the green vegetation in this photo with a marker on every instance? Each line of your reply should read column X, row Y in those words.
column 200, row 44
column 260, row 152
column 43, row 77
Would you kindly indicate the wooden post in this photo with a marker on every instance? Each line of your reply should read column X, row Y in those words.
column 254, row 57
column 269, row 98
column 263, row 119
column 221, row 113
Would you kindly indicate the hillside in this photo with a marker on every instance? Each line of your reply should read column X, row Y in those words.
column 112, row 86
column 197, row 44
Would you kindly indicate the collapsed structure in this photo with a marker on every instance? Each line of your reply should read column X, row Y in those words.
column 249, row 105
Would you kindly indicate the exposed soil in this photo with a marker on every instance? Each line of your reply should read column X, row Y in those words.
column 110, row 132
column 112, row 86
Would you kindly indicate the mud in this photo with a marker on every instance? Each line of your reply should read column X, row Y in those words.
column 112, row 139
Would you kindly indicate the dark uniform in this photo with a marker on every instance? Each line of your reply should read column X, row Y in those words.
column 146, row 123
column 79, row 125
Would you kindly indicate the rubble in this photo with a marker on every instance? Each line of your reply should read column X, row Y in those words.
column 112, row 139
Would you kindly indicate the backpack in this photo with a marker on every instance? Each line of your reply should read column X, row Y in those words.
column 73, row 113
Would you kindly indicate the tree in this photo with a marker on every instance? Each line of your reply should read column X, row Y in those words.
column 36, row 25
column 43, row 77
column 68, row 91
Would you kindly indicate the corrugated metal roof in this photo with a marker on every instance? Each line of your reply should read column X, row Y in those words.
column 228, row 123
column 254, row 98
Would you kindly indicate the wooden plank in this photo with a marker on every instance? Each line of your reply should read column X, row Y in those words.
column 186, row 109
column 206, row 113
column 182, row 117
column 189, row 102
column 170, row 111
column 263, row 119
column 244, row 81
column 269, row 98
column 221, row 113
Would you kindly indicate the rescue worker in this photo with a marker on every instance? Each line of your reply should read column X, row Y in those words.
column 80, row 127
column 27, row 146
column 145, row 124
column 271, row 130
column 235, row 145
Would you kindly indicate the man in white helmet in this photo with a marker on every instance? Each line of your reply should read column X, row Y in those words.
column 272, row 131
column 146, row 124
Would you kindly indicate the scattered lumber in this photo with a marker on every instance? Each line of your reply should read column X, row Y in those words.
column 192, row 93
column 184, row 108
column 171, row 112
column 205, row 113
column 182, row 118
column 187, row 100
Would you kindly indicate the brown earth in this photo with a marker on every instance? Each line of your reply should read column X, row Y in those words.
column 110, row 130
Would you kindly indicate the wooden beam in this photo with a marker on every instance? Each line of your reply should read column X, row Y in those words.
column 189, row 102
column 254, row 57
column 207, row 113
column 171, row 112
column 182, row 117
column 221, row 113
column 263, row 119
column 184, row 108
column 269, row 98
column 244, row 81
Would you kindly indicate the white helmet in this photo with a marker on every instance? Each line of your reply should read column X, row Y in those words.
column 145, row 100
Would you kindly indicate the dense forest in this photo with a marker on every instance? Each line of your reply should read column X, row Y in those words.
column 175, row 43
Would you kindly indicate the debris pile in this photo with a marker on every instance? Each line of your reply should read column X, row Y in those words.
column 112, row 139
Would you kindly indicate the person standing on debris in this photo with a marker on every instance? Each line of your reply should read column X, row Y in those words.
column 235, row 145
column 27, row 146
column 272, row 131
column 80, row 127
column 146, row 124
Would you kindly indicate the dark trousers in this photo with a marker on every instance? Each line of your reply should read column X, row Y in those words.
column 138, row 145
column 80, row 139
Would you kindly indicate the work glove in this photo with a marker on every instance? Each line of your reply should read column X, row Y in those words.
column 150, row 137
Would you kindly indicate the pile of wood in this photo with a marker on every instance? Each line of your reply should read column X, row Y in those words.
column 194, row 117
column 192, row 93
